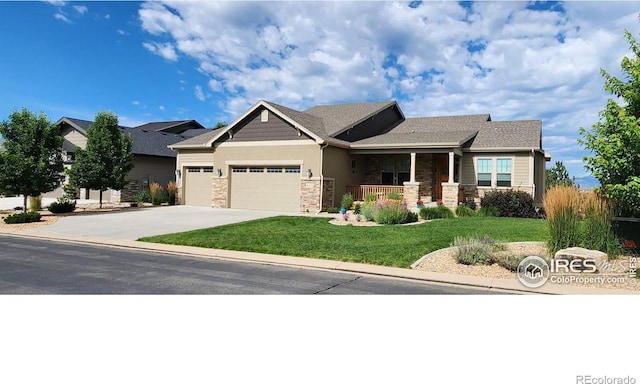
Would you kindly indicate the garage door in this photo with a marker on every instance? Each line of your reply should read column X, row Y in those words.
column 270, row 188
column 197, row 186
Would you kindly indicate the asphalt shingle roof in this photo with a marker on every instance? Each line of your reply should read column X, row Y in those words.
column 200, row 139
column 509, row 134
column 338, row 117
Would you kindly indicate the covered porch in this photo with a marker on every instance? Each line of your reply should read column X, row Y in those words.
column 427, row 175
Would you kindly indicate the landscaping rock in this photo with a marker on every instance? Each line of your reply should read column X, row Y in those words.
column 582, row 254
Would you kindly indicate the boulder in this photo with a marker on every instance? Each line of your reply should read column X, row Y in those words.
column 582, row 254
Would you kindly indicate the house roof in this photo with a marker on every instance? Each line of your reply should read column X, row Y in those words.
column 324, row 123
column 178, row 126
column 149, row 139
column 508, row 134
column 340, row 117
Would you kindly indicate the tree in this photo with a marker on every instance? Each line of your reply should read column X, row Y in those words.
column 31, row 161
column 615, row 139
column 107, row 158
column 558, row 175
column 220, row 124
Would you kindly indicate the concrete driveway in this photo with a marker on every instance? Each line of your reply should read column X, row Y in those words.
column 137, row 223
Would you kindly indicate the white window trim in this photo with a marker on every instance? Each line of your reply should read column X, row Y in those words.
column 494, row 171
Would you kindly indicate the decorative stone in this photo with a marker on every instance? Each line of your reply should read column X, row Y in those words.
column 582, row 255
column 220, row 192
column 450, row 195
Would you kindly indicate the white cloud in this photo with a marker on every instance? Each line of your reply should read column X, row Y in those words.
column 121, row 32
column 439, row 58
column 62, row 17
column 107, row 16
column 161, row 107
column 199, row 93
column 56, row 2
column 135, row 102
column 165, row 50
column 81, row 9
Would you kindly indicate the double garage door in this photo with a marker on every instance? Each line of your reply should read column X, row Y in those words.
column 270, row 188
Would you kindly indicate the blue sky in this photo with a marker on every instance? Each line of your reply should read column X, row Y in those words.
column 209, row 61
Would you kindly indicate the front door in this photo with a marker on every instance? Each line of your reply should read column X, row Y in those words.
column 442, row 174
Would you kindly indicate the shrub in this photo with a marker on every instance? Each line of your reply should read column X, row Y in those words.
column 333, row 210
column 347, row 201
column 439, row 212
column 157, row 193
column 171, row 193
column 63, row 205
column 488, row 212
column 393, row 195
column 562, row 205
column 473, row 251
column 35, row 203
column 367, row 211
column 471, row 203
column 595, row 230
column 370, row 198
column 510, row 203
column 24, row 217
column 357, row 208
column 392, row 212
column 509, row 262
column 465, row 211
column 142, row 197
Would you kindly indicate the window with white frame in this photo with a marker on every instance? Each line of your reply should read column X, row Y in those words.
column 503, row 172
column 484, row 172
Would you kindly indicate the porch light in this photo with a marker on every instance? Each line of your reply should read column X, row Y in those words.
column 178, row 173
column 308, row 173
column 218, row 172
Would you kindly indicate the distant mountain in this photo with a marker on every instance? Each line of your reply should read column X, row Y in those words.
column 587, row 182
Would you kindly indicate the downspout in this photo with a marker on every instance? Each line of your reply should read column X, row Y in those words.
column 322, row 147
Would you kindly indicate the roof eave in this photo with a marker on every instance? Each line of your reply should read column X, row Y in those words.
column 389, row 104
column 74, row 125
column 406, row 145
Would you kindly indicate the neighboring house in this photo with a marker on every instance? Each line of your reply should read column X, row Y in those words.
column 276, row 158
column 153, row 161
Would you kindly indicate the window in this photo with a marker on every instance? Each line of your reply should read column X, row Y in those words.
column 274, row 170
column 239, row 170
column 193, row 170
column 207, row 170
column 503, row 172
column 292, row 170
column 256, row 170
column 484, row 172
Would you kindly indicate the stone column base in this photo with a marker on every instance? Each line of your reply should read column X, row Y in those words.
column 220, row 192
column 411, row 193
column 450, row 195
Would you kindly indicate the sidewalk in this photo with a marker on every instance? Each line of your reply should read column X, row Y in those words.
column 513, row 286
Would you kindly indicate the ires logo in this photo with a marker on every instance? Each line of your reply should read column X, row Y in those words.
column 573, row 266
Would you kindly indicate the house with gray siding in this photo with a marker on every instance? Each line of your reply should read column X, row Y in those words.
column 276, row 158
column 153, row 161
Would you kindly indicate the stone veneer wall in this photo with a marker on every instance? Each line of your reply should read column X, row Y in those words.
column 450, row 195
column 220, row 192
column 179, row 194
column 411, row 193
column 309, row 195
column 328, row 193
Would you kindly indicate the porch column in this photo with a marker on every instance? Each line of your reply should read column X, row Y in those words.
column 451, row 163
column 413, row 168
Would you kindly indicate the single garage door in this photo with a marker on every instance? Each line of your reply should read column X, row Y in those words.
column 270, row 188
column 197, row 186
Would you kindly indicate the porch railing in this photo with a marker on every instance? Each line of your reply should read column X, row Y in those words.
column 360, row 191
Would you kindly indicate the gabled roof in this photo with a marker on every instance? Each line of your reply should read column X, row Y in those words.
column 324, row 123
column 340, row 117
column 146, row 141
column 171, row 126
column 520, row 134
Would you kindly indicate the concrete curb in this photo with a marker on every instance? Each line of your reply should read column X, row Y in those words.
column 294, row 261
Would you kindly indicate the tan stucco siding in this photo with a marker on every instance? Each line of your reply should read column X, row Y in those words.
column 520, row 167
column 194, row 156
column 337, row 165
column 308, row 154
column 74, row 137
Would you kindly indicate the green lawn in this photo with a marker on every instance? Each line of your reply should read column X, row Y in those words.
column 398, row 246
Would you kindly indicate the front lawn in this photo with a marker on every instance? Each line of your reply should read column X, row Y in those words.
column 397, row 246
